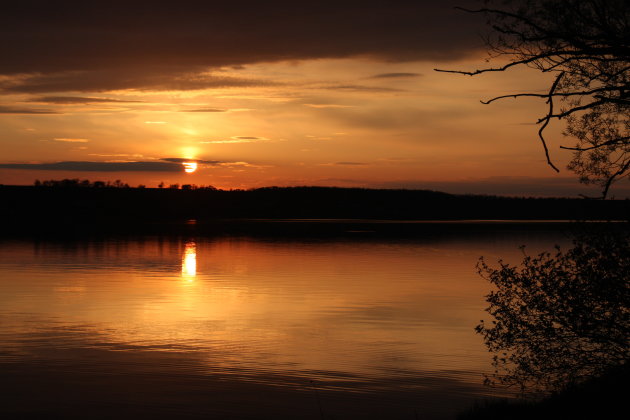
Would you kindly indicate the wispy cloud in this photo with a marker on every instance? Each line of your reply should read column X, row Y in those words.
column 394, row 75
column 103, row 80
column 328, row 106
column 241, row 164
column 351, row 163
column 26, row 111
column 169, row 164
column 86, row 166
column 360, row 88
column 67, row 140
column 230, row 141
column 236, row 140
column 77, row 100
column 312, row 137
column 182, row 160
column 135, row 155
column 344, row 164
column 204, row 110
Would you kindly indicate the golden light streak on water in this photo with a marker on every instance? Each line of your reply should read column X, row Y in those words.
column 189, row 262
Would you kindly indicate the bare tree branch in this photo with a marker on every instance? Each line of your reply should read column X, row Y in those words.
column 586, row 45
column 546, row 121
column 555, row 94
column 623, row 140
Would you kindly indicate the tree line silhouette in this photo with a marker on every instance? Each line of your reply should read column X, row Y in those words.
column 69, row 202
column 86, row 183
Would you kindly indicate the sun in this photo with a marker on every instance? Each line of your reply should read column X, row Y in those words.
column 189, row 167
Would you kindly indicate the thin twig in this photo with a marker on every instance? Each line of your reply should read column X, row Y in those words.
column 621, row 140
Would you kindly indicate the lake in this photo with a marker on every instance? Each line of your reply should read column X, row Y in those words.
column 196, row 326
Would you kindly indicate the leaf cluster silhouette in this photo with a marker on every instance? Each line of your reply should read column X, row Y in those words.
column 560, row 318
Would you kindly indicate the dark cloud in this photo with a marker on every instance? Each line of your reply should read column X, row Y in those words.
column 395, row 75
column 36, row 111
column 246, row 138
column 77, row 100
column 82, row 166
column 67, row 45
column 164, row 165
column 117, row 79
column 205, row 110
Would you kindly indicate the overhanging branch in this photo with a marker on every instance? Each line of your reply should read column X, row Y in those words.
column 619, row 141
column 546, row 121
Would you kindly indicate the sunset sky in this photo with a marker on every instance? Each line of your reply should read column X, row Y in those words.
column 267, row 93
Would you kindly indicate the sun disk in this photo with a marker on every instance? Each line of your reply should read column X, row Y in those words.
column 190, row 167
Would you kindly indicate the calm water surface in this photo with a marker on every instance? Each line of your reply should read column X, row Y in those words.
column 193, row 327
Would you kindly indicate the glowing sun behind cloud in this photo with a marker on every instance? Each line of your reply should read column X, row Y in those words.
column 190, row 167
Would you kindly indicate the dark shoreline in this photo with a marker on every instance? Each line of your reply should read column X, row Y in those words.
column 298, row 229
column 303, row 210
column 598, row 397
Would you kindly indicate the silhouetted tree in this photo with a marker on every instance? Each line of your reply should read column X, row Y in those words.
column 66, row 183
column 560, row 319
column 83, row 183
column 585, row 45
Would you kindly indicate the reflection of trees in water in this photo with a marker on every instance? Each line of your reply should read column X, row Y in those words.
column 560, row 318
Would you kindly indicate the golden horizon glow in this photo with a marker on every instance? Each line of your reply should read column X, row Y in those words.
column 189, row 167
column 375, row 133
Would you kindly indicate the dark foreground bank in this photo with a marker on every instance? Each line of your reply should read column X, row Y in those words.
column 599, row 398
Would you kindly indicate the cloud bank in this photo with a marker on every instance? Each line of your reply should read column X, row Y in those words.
column 25, row 111
column 99, row 46
column 77, row 100
column 165, row 165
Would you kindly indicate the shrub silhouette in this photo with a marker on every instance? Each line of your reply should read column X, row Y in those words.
column 559, row 318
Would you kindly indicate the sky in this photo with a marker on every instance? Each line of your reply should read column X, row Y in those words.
column 278, row 93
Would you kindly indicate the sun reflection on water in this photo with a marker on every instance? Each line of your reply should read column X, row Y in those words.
column 189, row 261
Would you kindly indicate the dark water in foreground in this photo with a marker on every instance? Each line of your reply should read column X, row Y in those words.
column 236, row 327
